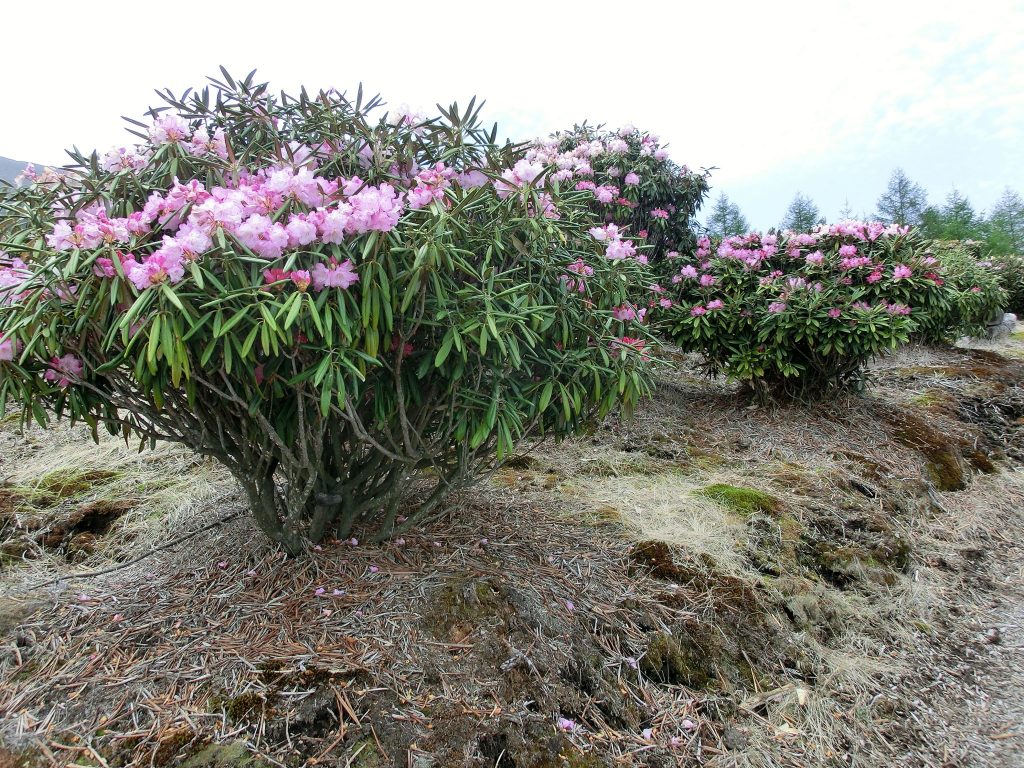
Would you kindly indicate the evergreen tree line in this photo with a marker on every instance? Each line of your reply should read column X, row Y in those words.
column 1001, row 230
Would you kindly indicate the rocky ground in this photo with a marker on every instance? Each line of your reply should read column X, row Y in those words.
column 710, row 583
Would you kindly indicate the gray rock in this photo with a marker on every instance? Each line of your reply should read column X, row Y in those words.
column 1006, row 325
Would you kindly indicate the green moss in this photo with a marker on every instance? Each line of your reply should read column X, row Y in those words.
column 67, row 483
column 705, row 460
column 366, row 755
column 240, row 707
column 171, row 744
column 461, row 604
column 668, row 661
column 744, row 501
column 930, row 399
column 230, row 755
column 944, row 465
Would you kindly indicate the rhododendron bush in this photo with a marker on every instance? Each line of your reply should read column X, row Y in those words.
column 631, row 182
column 1010, row 268
column 354, row 314
column 799, row 314
column 975, row 290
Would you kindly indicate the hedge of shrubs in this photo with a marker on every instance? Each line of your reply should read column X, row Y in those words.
column 357, row 312
column 799, row 314
column 1010, row 269
column 354, row 314
column 976, row 296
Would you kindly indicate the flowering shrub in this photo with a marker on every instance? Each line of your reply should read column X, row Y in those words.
column 354, row 316
column 1010, row 268
column 798, row 314
column 974, row 290
column 630, row 182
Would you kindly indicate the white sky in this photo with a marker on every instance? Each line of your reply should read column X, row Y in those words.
column 819, row 97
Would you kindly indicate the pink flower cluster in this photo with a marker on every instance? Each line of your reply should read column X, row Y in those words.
column 9, row 347
column 64, row 370
column 752, row 249
column 576, row 163
column 581, row 272
column 628, row 313
column 246, row 211
column 429, row 185
column 618, row 247
column 13, row 274
column 174, row 129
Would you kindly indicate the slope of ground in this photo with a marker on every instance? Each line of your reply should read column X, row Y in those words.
column 707, row 584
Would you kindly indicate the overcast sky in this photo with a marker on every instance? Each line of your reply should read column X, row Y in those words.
column 821, row 97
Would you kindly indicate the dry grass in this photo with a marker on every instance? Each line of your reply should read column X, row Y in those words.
column 462, row 646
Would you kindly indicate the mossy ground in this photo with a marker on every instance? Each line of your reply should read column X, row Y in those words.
column 743, row 501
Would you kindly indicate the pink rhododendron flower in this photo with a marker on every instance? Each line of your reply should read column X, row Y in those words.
column 610, row 232
column 374, row 209
column 665, row 303
column 119, row 159
column 547, row 207
column 631, row 179
column 628, row 342
column 334, row 275
column 777, row 306
column 697, row 310
column 689, row 271
column 901, row 271
column 522, row 174
column 163, row 265
column 580, row 269
column 715, row 304
column 262, row 236
column 13, row 276
column 874, row 277
column 27, row 176
column 202, row 144
column 301, row 231
column 817, row 257
column 852, row 262
column 471, row 179
column 169, row 129
column 620, row 249
column 835, row 313
column 191, row 241
column 627, row 313
column 659, row 213
column 9, row 348
column 64, row 370
column 707, row 281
